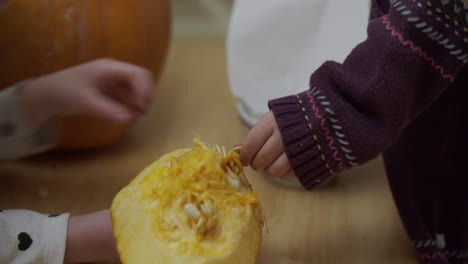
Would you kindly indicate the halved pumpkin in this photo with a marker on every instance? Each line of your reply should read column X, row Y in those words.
column 190, row 206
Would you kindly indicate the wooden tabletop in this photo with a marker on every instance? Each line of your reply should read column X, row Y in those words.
column 353, row 220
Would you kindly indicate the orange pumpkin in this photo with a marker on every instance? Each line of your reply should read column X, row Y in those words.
column 43, row 36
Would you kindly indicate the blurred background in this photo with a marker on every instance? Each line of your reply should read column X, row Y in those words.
column 201, row 18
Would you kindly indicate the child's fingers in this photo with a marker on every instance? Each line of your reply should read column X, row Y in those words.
column 138, row 80
column 270, row 151
column 142, row 86
column 279, row 167
column 109, row 109
column 122, row 95
column 256, row 138
column 288, row 175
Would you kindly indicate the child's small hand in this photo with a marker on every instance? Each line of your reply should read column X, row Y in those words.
column 263, row 149
column 111, row 89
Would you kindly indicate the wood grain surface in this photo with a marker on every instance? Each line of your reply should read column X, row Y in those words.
column 353, row 220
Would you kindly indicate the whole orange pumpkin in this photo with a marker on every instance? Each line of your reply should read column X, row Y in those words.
column 42, row 36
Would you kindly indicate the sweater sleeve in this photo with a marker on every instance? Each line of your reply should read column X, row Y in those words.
column 354, row 111
column 18, row 136
column 29, row 237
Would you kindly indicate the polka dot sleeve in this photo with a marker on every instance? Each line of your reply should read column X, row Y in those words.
column 18, row 136
column 30, row 237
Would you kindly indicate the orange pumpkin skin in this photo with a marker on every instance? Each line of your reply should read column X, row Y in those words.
column 88, row 132
column 43, row 36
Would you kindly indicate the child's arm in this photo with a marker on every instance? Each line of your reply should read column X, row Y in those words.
column 18, row 135
column 90, row 239
column 110, row 89
column 356, row 110
column 113, row 90
column 29, row 237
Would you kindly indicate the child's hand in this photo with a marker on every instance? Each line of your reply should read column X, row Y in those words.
column 111, row 89
column 263, row 149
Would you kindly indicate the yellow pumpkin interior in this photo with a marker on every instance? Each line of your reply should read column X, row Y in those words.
column 190, row 206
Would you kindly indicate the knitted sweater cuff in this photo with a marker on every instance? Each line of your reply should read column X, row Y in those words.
column 304, row 143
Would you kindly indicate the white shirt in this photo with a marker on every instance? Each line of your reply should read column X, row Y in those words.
column 26, row 236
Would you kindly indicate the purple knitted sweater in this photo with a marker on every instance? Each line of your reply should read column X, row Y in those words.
column 403, row 93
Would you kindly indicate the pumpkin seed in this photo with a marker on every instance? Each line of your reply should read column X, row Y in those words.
column 173, row 244
column 232, row 178
column 230, row 173
column 200, row 221
column 217, row 148
column 191, row 210
column 224, row 151
column 234, row 182
column 206, row 207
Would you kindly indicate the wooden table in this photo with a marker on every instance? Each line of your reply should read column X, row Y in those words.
column 353, row 220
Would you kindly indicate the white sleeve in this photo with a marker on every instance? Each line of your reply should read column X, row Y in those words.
column 30, row 237
column 18, row 136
